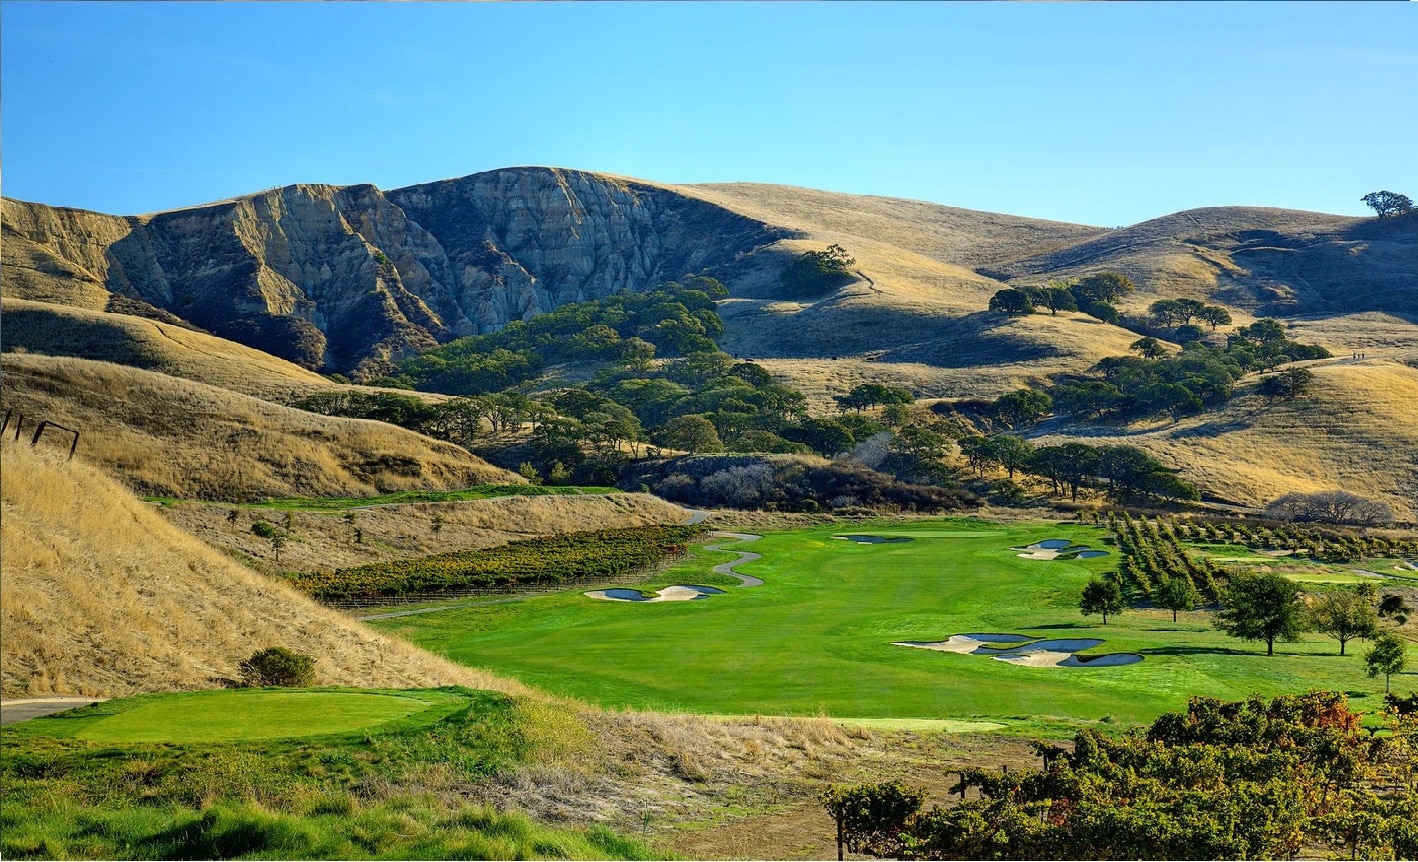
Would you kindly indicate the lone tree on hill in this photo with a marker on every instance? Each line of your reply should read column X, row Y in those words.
column 1176, row 594
column 1388, row 204
column 1286, row 385
column 817, row 271
column 1101, row 596
column 1261, row 607
column 1388, row 656
column 1011, row 301
column 1343, row 615
column 1148, row 348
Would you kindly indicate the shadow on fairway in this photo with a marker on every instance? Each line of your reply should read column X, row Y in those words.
column 1191, row 650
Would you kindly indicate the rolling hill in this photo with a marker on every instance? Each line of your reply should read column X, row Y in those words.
column 168, row 436
column 101, row 596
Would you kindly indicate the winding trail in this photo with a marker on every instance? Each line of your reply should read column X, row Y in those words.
column 744, row 557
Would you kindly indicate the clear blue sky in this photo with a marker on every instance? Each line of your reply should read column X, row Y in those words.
column 1106, row 113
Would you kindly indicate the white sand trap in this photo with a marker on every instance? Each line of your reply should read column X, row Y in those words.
column 1039, row 658
column 967, row 643
column 1058, row 652
column 676, row 593
column 1050, row 550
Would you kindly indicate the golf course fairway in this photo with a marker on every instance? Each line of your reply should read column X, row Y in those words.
column 818, row 635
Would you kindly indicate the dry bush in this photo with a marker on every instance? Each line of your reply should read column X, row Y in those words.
column 168, row 436
column 99, row 595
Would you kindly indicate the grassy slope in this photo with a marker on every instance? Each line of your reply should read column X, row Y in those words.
column 398, row 789
column 174, row 437
column 917, row 318
column 818, row 636
column 100, row 595
column 323, row 540
column 62, row 330
column 1358, row 430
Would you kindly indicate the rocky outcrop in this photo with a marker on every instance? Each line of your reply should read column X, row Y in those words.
column 352, row 278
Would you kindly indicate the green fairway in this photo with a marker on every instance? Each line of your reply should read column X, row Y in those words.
column 817, row 636
column 234, row 715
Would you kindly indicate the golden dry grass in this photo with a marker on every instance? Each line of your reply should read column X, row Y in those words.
column 101, row 596
column 62, row 330
column 325, row 540
column 1357, row 430
column 167, row 436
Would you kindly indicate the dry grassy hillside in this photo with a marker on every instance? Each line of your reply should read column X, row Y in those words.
column 325, row 540
column 62, row 330
column 54, row 254
column 1357, row 430
column 169, row 436
column 101, row 596
column 1266, row 261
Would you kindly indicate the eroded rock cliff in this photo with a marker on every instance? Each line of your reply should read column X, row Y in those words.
column 351, row 278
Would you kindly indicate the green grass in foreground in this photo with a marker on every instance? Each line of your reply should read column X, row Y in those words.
column 817, row 637
column 216, row 716
column 391, row 790
column 477, row 492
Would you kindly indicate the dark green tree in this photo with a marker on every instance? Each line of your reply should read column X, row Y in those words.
column 1011, row 301
column 1021, row 407
column 815, row 272
column 1176, row 593
column 1261, row 606
column 1101, row 596
column 1101, row 287
column 1388, row 656
column 1343, row 615
column 692, row 433
column 1388, row 204
column 1148, row 348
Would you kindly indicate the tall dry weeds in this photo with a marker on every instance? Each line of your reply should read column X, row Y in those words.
column 99, row 595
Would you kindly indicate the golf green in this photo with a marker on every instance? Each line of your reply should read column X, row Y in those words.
column 228, row 716
column 817, row 637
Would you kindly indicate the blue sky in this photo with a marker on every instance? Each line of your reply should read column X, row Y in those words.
column 1106, row 113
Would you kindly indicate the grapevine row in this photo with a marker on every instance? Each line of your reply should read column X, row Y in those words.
column 532, row 562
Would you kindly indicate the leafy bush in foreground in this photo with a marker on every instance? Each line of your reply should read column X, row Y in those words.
column 278, row 667
column 1244, row 780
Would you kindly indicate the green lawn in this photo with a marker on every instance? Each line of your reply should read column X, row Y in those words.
column 240, row 714
column 181, row 776
column 818, row 636
column 477, row 492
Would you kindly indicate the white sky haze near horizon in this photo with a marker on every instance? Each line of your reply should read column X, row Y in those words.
column 1106, row 114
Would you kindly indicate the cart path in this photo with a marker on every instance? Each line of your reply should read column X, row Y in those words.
column 744, row 557
column 12, row 711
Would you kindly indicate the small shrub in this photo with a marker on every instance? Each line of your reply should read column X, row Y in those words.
column 278, row 667
column 264, row 529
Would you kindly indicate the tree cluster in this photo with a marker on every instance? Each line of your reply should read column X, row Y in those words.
column 1093, row 295
column 1329, row 507
column 1386, row 204
column 1200, row 377
column 1126, row 472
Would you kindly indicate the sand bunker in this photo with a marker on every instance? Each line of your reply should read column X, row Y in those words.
column 1022, row 651
column 876, row 540
column 1058, row 549
column 676, row 593
column 968, row 643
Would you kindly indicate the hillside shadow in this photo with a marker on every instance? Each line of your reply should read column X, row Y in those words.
column 1190, row 650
